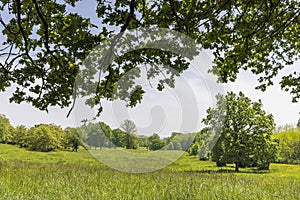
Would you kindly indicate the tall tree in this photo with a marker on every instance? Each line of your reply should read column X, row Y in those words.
column 45, row 42
column 129, row 127
column 130, row 140
column 244, row 129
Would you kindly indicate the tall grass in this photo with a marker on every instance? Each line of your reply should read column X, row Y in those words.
column 67, row 175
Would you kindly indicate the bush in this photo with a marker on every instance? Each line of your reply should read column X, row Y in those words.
column 40, row 138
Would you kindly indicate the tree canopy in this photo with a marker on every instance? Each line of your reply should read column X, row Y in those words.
column 130, row 130
column 6, row 128
column 45, row 42
column 289, row 146
column 245, row 131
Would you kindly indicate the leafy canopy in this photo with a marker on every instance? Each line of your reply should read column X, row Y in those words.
column 245, row 131
column 6, row 129
column 289, row 146
column 44, row 43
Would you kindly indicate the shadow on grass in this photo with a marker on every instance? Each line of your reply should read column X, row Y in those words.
column 228, row 170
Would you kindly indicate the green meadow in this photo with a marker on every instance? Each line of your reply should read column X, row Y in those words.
column 68, row 175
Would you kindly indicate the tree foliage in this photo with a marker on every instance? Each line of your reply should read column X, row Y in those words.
column 71, row 139
column 245, row 131
column 20, row 136
column 289, row 146
column 130, row 139
column 207, row 139
column 155, row 143
column 181, row 141
column 129, row 127
column 194, row 149
column 40, row 138
column 45, row 42
column 118, row 137
column 97, row 135
column 143, row 141
column 6, row 130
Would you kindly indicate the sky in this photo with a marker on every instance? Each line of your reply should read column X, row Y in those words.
column 174, row 109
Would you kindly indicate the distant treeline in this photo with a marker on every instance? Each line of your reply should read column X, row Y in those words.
column 44, row 137
column 99, row 135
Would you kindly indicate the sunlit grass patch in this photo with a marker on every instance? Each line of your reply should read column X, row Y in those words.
column 69, row 175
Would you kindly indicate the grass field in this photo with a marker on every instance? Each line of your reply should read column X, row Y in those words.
column 68, row 175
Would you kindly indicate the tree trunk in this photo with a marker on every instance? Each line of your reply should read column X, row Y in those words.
column 237, row 166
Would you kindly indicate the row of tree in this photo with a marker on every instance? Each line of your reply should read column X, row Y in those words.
column 100, row 135
column 45, row 137
column 238, row 131
column 41, row 137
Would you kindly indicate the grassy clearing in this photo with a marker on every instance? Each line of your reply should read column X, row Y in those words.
column 68, row 175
